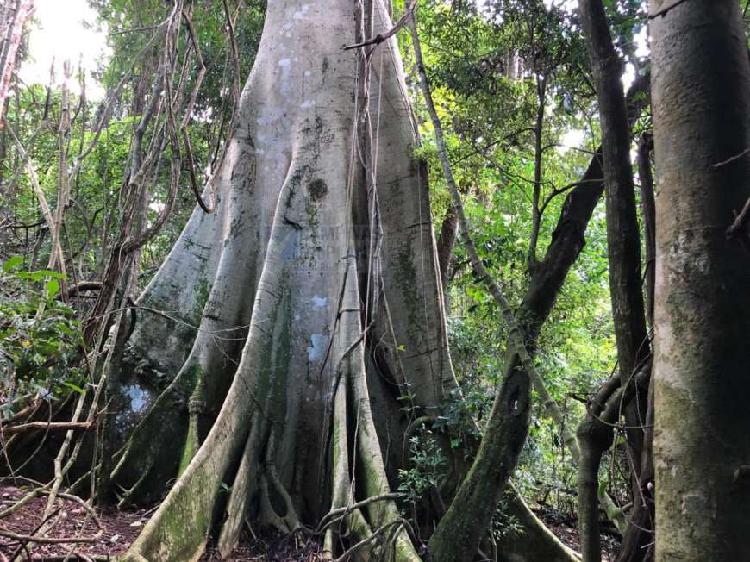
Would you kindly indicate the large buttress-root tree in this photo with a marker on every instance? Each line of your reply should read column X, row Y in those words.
column 316, row 299
column 292, row 337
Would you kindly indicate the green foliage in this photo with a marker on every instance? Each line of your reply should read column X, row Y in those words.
column 427, row 466
column 485, row 67
column 40, row 338
column 504, row 523
column 92, row 220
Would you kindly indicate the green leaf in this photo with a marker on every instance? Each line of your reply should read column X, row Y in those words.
column 602, row 487
column 73, row 387
column 52, row 287
column 42, row 273
column 37, row 275
column 12, row 263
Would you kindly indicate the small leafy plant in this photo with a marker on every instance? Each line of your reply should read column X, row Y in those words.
column 427, row 466
column 40, row 337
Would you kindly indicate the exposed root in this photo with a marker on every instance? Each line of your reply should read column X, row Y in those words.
column 128, row 493
column 290, row 518
column 372, row 468
column 268, row 516
column 387, row 534
column 288, row 522
column 351, row 519
column 303, row 365
column 335, row 515
column 179, row 529
column 243, row 489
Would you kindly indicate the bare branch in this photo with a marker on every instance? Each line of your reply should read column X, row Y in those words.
column 380, row 37
column 52, row 426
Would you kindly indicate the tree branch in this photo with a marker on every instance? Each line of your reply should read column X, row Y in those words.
column 51, row 426
column 380, row 37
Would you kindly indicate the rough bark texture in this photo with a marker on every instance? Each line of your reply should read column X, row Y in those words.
column 701, row 100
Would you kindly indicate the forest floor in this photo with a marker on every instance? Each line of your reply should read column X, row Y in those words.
column 76, row 533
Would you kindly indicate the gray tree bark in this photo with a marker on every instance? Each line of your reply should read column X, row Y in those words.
column 701, row 102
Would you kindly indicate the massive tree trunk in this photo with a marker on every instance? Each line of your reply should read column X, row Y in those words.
column 701, row 100
column 316, row 295
column 324, row 223
column 293, row 335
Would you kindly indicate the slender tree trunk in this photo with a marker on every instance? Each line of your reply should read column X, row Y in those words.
column 536, row 211
column 595, row 436
column 464, row 522
column 637, row 543
column 638, row 540
column 701, row 100
column 623, row 235
column 623, row 239
column 462, row 526
column 57, row 259
column 13, row 16
column 446, row 242
column 648, row 212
